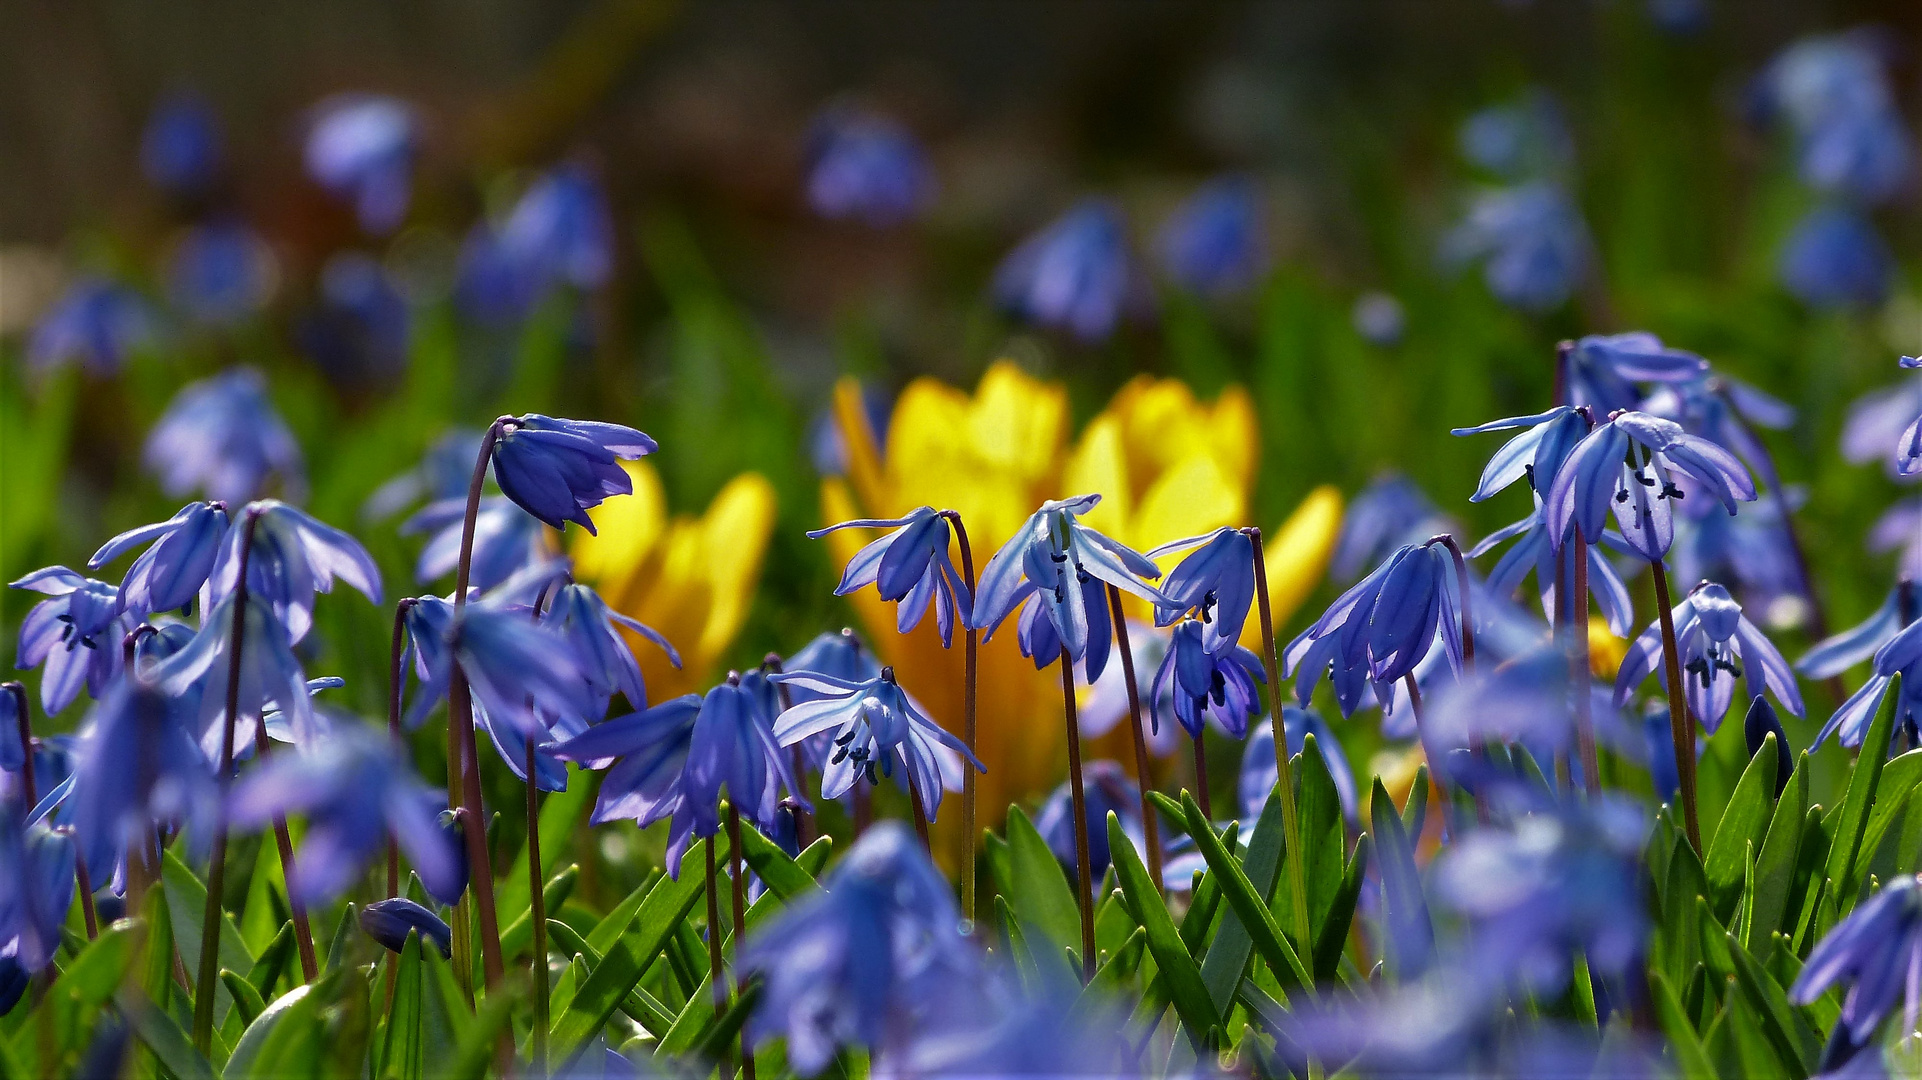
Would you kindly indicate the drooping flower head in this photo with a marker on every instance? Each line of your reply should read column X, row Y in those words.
column 1073, row 275
column 864, row 961
column 523, row 673
column 96, row 324
column 1058, row 565
column 1213, row 242
column 1605, row 371
column 294, row 556
column 177, row 562
column 1630, row 465
column 1389, row 512
column 442, row 474
column 75, row 632
column 221, row 437
column 354, row 789
column 271, row 677
column 866, row 167
column 1900, row 653
column 593, row 631
column 358, row 332
column 1531, row 241
column 1877, row 948
column 361, row 148
column 36, row 888
column 137, row 766
column 1107, row 789
column 1834, row 258
column 1715, row 641
column 507, row 539
column 1203, row 684
column 389, row 922
column 876, row 724
column 180, row 147
column 1215, row 581
column 557, row 469
column 1878, row 423
column 221, row 272
column 561, row 231
column 1391, row 618
column 1851, row 140
column 909, row 567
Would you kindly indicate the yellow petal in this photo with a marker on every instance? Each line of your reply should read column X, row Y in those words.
column 1098, row 465
column 628, row 526
column 1236, row 435
column 1191, row 498
column 736, row 529
column 1605, row 650
column 857, row 437
column 1297, row 554
column 1018, row 422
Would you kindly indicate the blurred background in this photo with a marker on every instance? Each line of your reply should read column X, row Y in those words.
column 1367, row 222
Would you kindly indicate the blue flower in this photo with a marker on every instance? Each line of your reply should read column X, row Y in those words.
column 1878, row 947
column 170, row 572
column 1055, row 563
column 909, row 567
column 523, row 674
column 876, row 723
column 838, row 654
column 1876, row 422
column 358, row 335
column 866, row 167
column 1074, row 275
column 561, row 231
column 1532, row 551
column 1389, row 512
column 220, row 273
column 1900, row 529
column 1527, row 700
column 1258, row 774
column 1204, row 684
column 180, row 148
column 389, row 922
column 1390, row 619
column 222, row 438
column 1834, row 93
column 1107, row 790
column 1751, row 549
column 294, row 557
column 1013, row 1028
column 1213, row 242
column 1837, row 653
column 593, row 630
column 443, row 473
column 507, row 539
column 557, row 469
column 1533, row 242
column 1215, row 581
column 1835, row 259
column 1899, row 654
column 491, row 286
column 1630, row 464
column 96, row 324
column 1307, row 658
column 1603, row 369
column 36, row 888
column 361, row 148
column 1714, row 640
column 76, row 633
column 354, row 790
column 136, row 766
column 865, row 960
column 1527, row 138
column 270, row 674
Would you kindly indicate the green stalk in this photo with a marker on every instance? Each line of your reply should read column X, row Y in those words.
column 1284, row 775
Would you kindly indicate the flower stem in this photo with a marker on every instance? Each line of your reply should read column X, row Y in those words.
column 1201, row 779
column 537, row 914
column 84, row 883
column 740, row 915
column 24, row 719
column 1680, row 725
column 1150, row 824
column 1284, row 779
column 716, row 971
column 1084, row 883
column 920, row 815
column 395, row 681
column 969, row 826
column 803, row 828
column 863, row 808
column 1577, row 610
column 217, row 867
column 284, row 843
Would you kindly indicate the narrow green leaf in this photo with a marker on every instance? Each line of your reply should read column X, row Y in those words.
column 1678, row 934
column 1744, row 822
column 98, row 971
column 1584, row 992
column 342, row 942
column 1176, row 964
column 1414, row 816
column 1794, row 1042
column 615, row 923
column 518, row 937
column 1323, row 844
column 1112, row 978
column 1683, row 1042
column 1775, row 866
column 1332, row 939
column 1899, row 778
column 254, row 1039
column 646, row 1010
column 1247, row 904
column 247, row 1000
column 476, row 1050
column 693, row 1019
column 785, row 877
column 719, row 1038
column 1411, row 934
column 267, row 970
column 400, row 1052
column 1863, row 780
column 166, row 1039
column 1112, row 925
column 564, row 987
column 444, row 1012
column 1205, row 899
column 187, row 906
column 1223, row 965
column 1039, row 891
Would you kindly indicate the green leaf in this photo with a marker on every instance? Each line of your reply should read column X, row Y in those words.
column 1176, row 966
column 1332, row 939
column 1112, row 925
column 444, row 1011
column 786, row 878
column 719, row 1038
column 519, row 935
column 1205, row 902
column 1795, row 1045
column 1683, row 1043
column 1414, row 815
column 1323, row 843
column 98, row 971
column 692, row 1021
column 564, row 987
column 1248, row 905
column 1899, row 778
column 342, row 941
column 639, row 1004
column 1038, row 890
column 1678, row 935
column 476, row 1049
column 1411, row 934
column 1226, row 960
column 1775, row 866
column 187, row 905
column 1112, row 978
column 247, row 1001
column 615, row 923
column 1863, row 779
column 267, row 970
column 667, row 904
column 401, row 1052
column 561, row 813
column 166, row 1039
column 1744, row 822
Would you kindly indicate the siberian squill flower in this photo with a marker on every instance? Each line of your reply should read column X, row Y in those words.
column 1834, row 92
column 1107, row 789
column 270, row 674
column 523, row 673
column 1604, row 370
column 1878, row 948
column 1877, row 421
column 1900, row 653
column 507, row 539
column 1058, row 564
column 361, row 148
column 354, row 790
column 1839, row 652
column 838, row 654
column 137, row 765
column 180, row 147
column 36, row 888
column 1307, row 658
column 1012, row 1029
column 1215, row 581
column 1204, row 684
column 389, row 921
column 1389, row 512
column 876, row 723
column 866, row 167
column 294, row 557
column 358, row 332
column 865, row 960
column 1714, row 640
column 1074, row 275
column 169, row 574
column 222, row 438
column 1531, row 240
column 1213, row 242
column 561, row 231
column 1390, row 618
column 910, row 568
column 557, row 469
column 1629, row 464
column 1899, row 529
column 75, row 632
column 1750, row 550
column 593, row 630
column 221, row 272
column 1836, row 259
column 1527, row 137
column 96, row 324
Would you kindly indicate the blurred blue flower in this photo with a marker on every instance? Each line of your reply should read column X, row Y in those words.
column 361, row 148
column 1379, row 319
column 1204, row 684
column 96, row 324
column 1836, row 259
column 491, row 286
column 1679, row 17
column 1752, row 550
column 1714, row 639
column 1876, row 422
column 1215, row 581
column 1523, row 139
column 294, row 557
column 1258, row 774
column 1107, row 790
column 1899, row 654
column 909, row 567
column 389, row 922
column 1390, row 512
column 561, row 231
column 1017, row 1029
column 1630, row 464
column 1436, row 1026
column 1055, row 562
column 1213, row 242
column 1531, row 241
column 358, row 333
column 76, row 633
column 1553, row 579
column 271, row 678
column 507, row 539
column 866, row 167
column 1878, row 948
column 137, row 766
column 1106, row 703
column 593, row 630
column 876, row 723
column 180, row 148
column 36, row 889
column 354, row 790
column 221, row 437
column 1839, row 652
column 524, row 674
column 1900, row 529
column 170, row 572
column 220, row 273
column 1834, row 93
column 1659, row 741
column 1603, row 370
column 557, row 469
column 1073, row 275
column 443, row 473
column 863, row 961
column 1390, row 619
